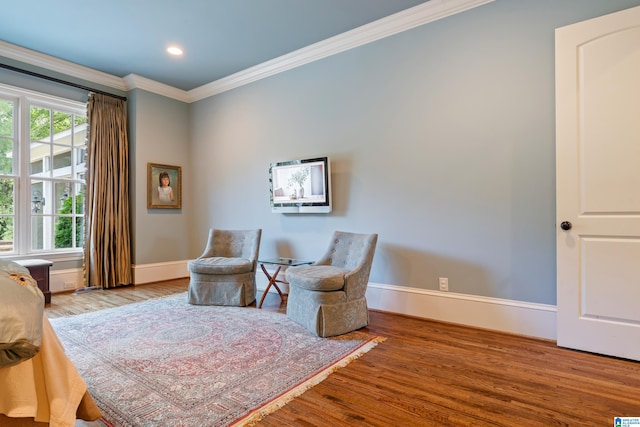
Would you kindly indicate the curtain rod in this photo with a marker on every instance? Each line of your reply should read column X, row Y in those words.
column 64, row 82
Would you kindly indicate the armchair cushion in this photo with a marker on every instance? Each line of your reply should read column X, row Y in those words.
column 317, row 277
column 220, row 265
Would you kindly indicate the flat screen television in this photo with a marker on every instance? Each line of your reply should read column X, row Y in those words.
column 301, row 186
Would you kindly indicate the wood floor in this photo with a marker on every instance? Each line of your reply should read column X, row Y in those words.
column 430, row 373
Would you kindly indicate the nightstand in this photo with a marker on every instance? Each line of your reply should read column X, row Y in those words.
column 39, row 270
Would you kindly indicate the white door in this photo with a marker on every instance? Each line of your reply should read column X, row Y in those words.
column 598, row 184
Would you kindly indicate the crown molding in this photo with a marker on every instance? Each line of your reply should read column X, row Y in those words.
column 393, row 24
column 133, row 81
column 416, row 16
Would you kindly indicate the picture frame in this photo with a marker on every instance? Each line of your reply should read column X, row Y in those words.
column 158, row 198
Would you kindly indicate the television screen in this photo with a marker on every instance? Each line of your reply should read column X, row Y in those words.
column 301, row 186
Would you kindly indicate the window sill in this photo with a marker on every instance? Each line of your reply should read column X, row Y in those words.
column 51, row 256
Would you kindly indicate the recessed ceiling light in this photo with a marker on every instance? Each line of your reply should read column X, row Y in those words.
column 174, row 50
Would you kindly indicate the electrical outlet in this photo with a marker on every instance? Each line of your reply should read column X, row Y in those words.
column 444, row 284
column 69, row 285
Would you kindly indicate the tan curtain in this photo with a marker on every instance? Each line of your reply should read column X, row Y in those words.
column 107, row 243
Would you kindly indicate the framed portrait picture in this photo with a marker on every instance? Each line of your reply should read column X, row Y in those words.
column 164, row 186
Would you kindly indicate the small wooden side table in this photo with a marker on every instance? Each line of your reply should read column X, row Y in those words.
column 39, row 270
column 273, row 278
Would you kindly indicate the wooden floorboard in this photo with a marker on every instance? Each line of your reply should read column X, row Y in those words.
column 429, row 373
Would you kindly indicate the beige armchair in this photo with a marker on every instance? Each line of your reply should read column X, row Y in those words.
column 225, row 273
column 328, row 297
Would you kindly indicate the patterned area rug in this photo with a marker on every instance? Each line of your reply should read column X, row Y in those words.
column 164, row 362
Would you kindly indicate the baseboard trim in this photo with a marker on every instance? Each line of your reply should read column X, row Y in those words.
column 68, row 280
column 158, row 272
column 65, row 280
column 517, row 317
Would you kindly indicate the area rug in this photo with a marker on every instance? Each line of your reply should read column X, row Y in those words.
column 165, row 362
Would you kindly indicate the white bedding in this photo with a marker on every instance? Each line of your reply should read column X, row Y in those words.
column 44, row 386
column 21, row 311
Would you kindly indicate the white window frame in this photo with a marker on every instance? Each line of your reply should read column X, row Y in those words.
column 23, row 100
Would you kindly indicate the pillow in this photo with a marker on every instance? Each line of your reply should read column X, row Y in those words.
column 21, row 312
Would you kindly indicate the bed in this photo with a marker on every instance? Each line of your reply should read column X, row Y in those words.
column 39, row 385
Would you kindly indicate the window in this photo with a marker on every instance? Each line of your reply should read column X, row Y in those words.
column 42, row 173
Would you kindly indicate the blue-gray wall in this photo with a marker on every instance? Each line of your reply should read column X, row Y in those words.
column 442, row 140
column 25, row 81
column 159, row 133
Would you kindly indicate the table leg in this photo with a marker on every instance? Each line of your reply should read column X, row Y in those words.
column 273, row 280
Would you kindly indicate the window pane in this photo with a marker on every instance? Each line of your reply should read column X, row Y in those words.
column 40, row 232
column 40, row 158
column 62, row 128
column 6, row 156
column 61, row 160
column 40, row 124
column 80, row 188
column 7, row 196
column 63, row 197
column 79, row 232
column 81, row 160
column 64, row 232
column 69, row 231
column 7, row 208
column 79, row 120
column 6, row 234
column 80, row 135
column 38, row 197
column 6, row 118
